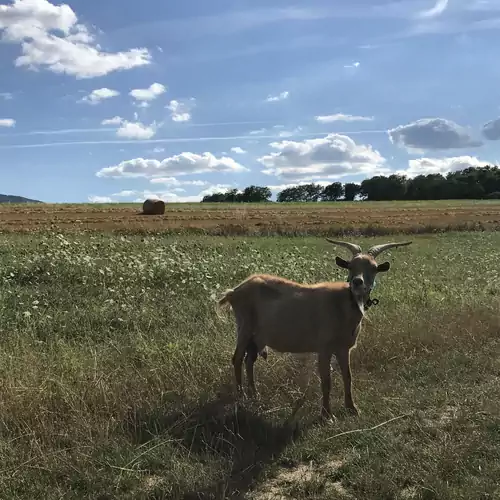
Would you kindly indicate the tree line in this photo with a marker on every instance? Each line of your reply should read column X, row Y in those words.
column 470, row 183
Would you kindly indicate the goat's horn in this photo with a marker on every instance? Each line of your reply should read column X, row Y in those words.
column 378, row 249
column 355, row 249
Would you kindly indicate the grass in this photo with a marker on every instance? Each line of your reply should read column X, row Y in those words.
column 116, row 381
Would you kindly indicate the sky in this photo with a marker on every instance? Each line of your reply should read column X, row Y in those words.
column 120, row 100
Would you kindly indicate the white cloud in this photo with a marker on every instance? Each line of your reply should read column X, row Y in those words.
column 435, row 11
column 340, row 117
column 170, row 196
column 280, row 97
column 136, row 130
column 51, row 38
column 333, row 156
column 238, row 150
column 127, row 193
column 274, row 130
column 181, row 164
column 425, row 166
column 491, row 130
column 7, row 122
column 218, row 188
column 172, row 181
column 100, row 199
column 116, row 120
column 145, row 96
column 432, row 133
column 280, row 187
column 258, row 132
column 98, row 95
column 157, row 150
column 181, row 110
column 7, row 96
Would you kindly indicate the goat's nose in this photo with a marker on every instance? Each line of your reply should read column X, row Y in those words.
column 357, row 281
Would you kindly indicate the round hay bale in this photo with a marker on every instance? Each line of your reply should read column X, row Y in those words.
column 153, row 207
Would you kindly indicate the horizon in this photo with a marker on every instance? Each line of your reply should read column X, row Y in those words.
column 180, row 101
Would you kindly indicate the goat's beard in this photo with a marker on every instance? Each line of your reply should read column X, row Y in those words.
column 360, row 297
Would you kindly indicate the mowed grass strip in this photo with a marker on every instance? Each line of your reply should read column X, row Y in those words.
column 116, row 377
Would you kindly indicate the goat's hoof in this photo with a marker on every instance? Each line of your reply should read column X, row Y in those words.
column 353, row 410
column 253, row 393
column 326, row 415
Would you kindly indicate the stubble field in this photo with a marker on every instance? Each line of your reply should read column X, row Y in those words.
column 116, row 377
column 369, row 218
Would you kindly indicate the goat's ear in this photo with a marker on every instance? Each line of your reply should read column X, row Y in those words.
column 342, row 263
column 382, row 268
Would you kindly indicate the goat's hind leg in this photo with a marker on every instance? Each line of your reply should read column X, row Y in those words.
column 239, row 354
column 250, row 358
column 243, row 337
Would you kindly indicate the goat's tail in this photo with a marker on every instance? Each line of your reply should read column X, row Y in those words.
column 224, row 303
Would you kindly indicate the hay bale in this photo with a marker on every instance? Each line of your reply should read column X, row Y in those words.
column 153, row 207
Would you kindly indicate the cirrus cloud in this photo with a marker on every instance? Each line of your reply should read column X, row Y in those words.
column 432, row 134
column 333, row 156
column 182, row 164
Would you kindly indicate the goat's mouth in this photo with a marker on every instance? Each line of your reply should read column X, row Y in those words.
column 359, row 290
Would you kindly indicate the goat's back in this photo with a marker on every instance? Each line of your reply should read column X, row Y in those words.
column 294, row 317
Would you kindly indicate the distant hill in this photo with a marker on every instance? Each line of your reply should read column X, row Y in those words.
column 9, row 198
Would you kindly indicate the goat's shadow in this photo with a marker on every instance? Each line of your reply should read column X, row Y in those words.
column 228, row 427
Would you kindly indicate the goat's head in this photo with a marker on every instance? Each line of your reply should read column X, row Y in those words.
column 362, row 267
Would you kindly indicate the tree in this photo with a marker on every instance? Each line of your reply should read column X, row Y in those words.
column 256, row 194
column 289, row 194
column 332, row 192
column 381, row 188
column 351, row 191
column 467, row 183
column 311, row 192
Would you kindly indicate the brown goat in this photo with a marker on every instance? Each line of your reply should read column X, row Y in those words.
column 323, row 318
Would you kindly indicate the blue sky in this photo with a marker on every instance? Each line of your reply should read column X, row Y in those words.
column 119, row 100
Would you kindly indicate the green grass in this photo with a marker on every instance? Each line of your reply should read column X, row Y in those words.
column 116, row 377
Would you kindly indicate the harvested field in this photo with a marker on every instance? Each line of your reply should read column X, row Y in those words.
column 268, row 218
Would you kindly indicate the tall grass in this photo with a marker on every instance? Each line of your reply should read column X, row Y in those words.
column 116, row 381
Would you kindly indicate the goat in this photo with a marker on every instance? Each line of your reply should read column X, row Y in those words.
column 323, row 318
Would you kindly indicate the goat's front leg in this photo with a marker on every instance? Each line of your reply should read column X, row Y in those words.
column 324, row 360
column 343, row 358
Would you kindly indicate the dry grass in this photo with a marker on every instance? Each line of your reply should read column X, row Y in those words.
column 116, row 381
column 295, row 219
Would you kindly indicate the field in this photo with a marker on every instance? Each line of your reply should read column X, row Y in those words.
column 116, row 377
column 370, row 218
